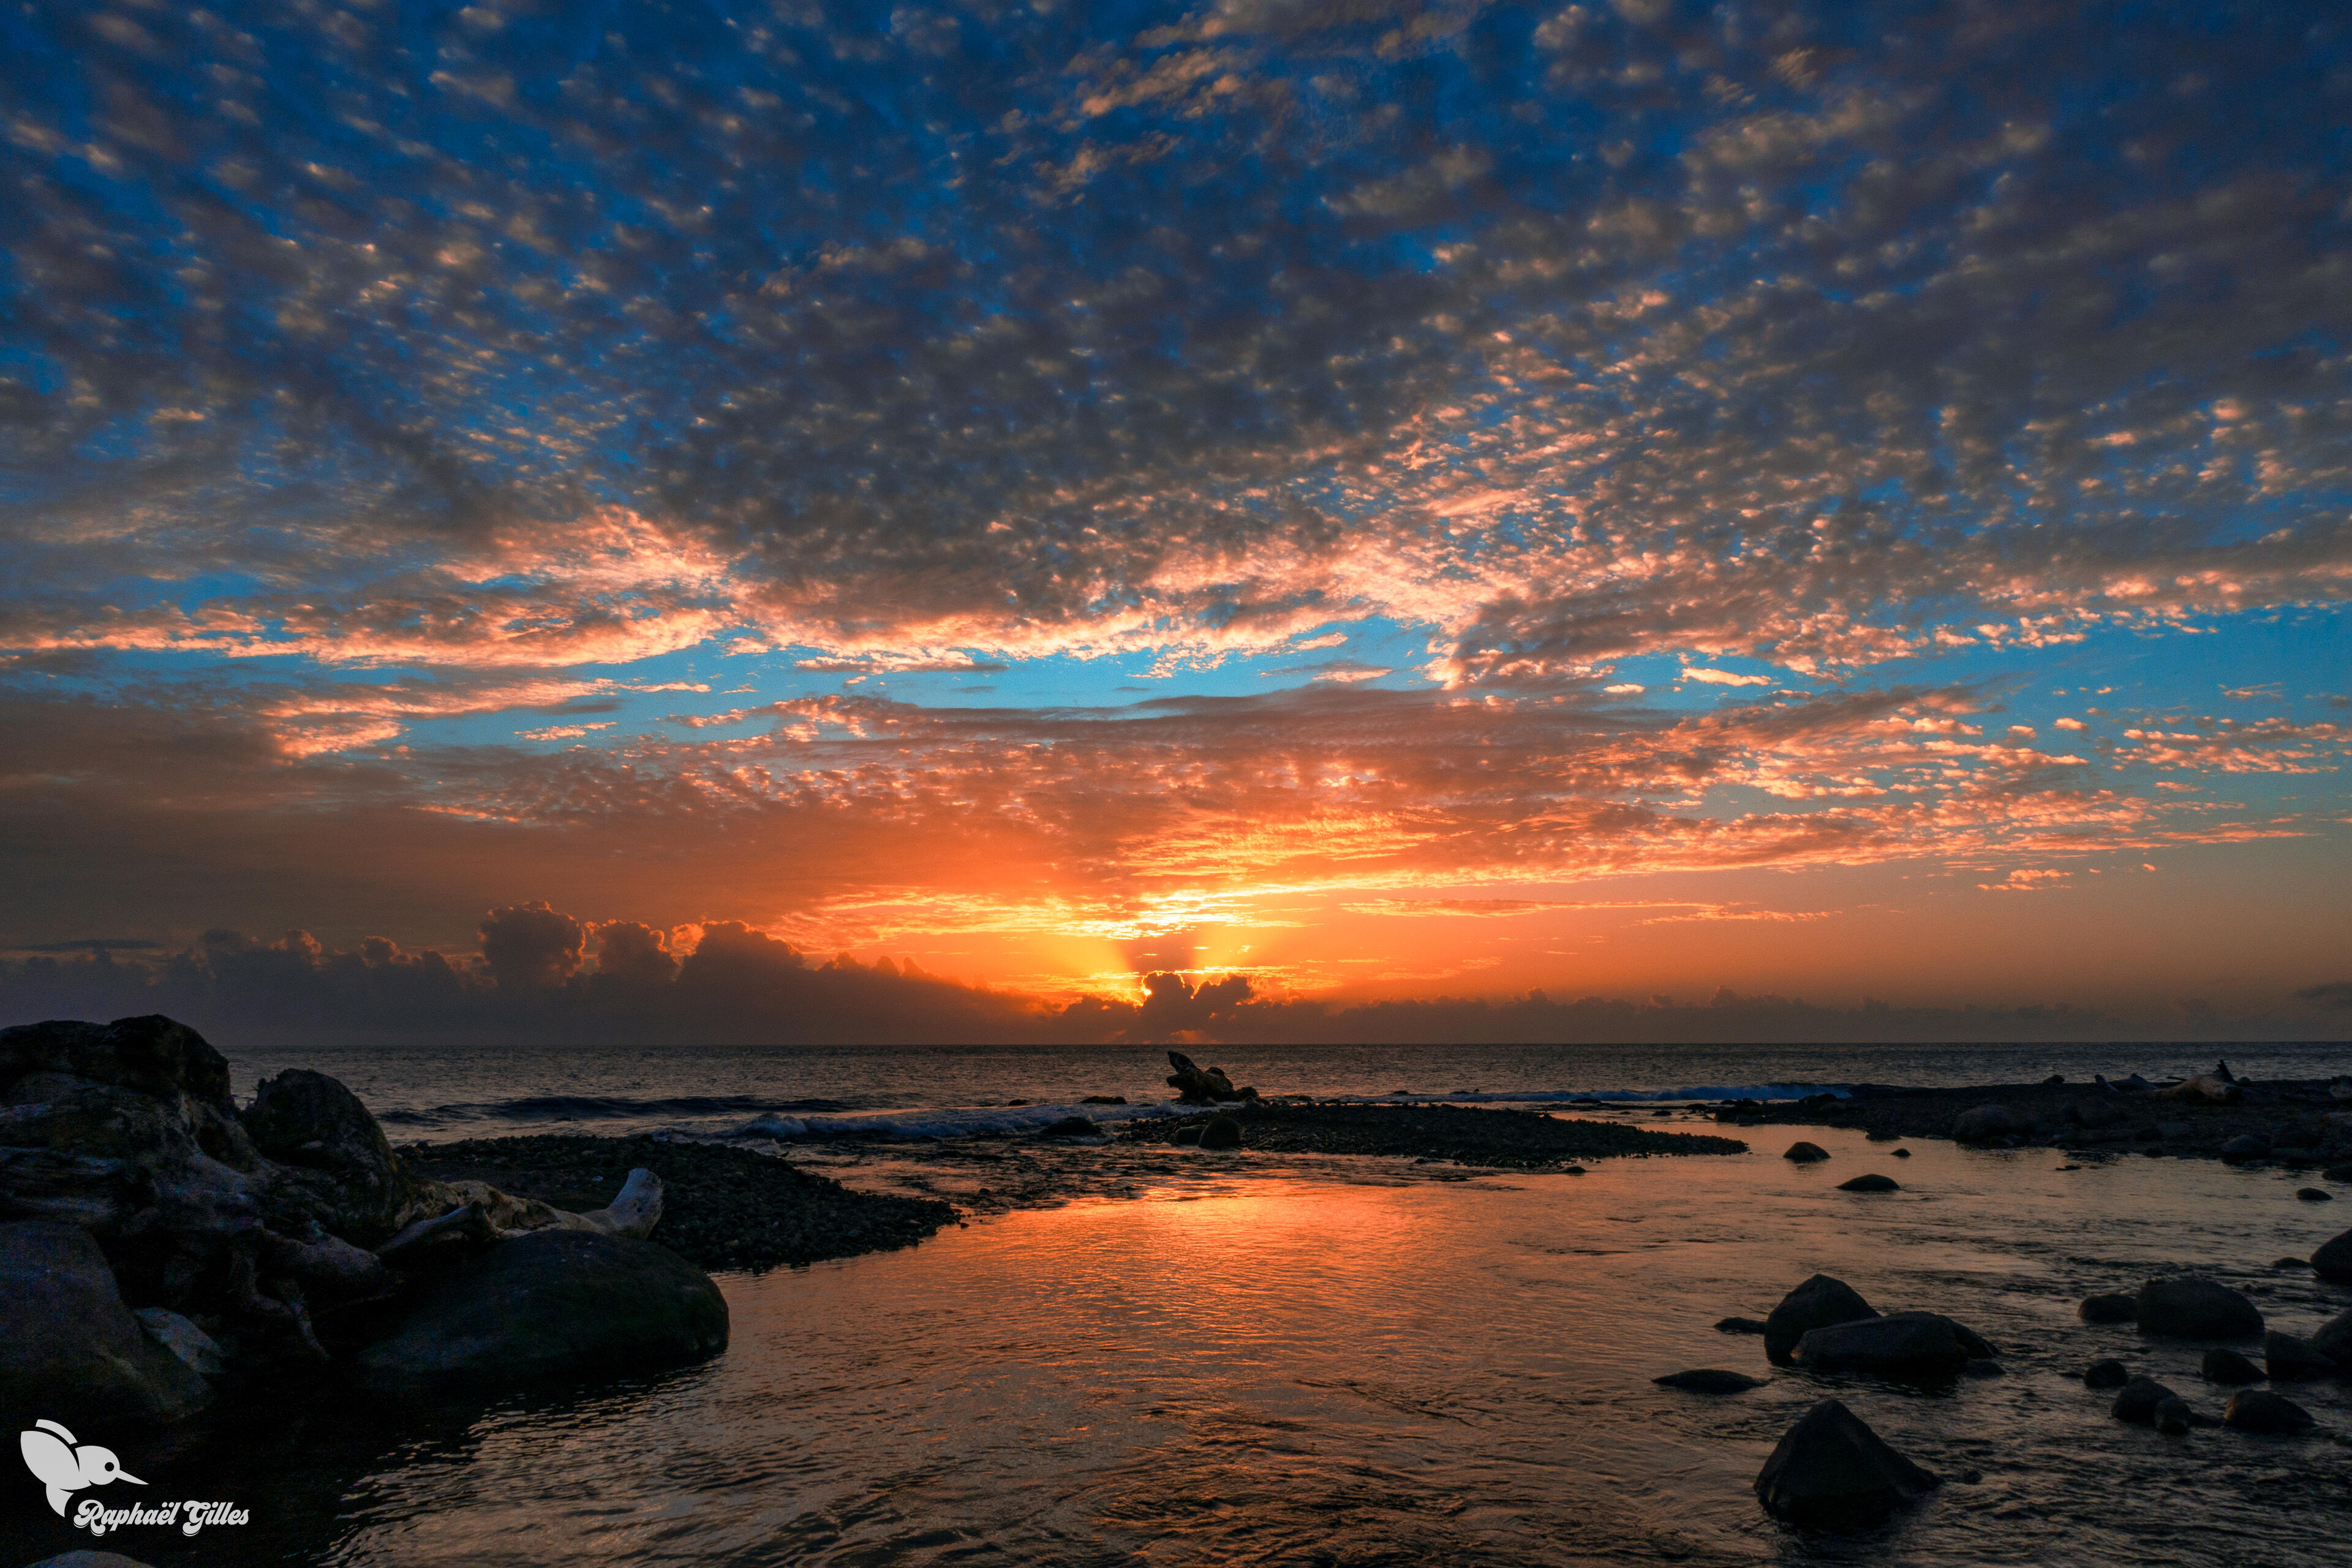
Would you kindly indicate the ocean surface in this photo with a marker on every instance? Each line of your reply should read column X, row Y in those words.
column 1173, row 1357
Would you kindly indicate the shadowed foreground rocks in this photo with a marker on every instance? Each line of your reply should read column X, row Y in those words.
column 1830, row 1471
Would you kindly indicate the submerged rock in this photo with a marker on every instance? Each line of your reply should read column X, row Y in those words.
column 2191, row 1308
column 2259, row 1410
column 553, row 1303
column 69, row 1348
column 1805, row 1154
column 2105, row 1374
column 2137, row 1402
column 1739, row 1326
column 1869, row 1184
column 1820, row 1302
column 1709, row 1380
column 2290, row 1358
column 1831, row 1471
column 1901, row 1345
column 2333, row 1260
column 2113, row 1308
column 2229, row 1366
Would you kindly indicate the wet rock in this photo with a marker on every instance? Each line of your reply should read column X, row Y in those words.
column 1709, row 1380
column 2259, row 1410
column 1831, row 1471
column 1820, row 1302
column 2289, row 1262
column 2290, row 1358
column 1197, row 1084
column 2315, row 1194
column 1903, row 1153
column 2333, row 1261
column 1869, row 1184
column 69, row 1348
column 1901, row 1345
column 2105, row 1374
column 2137, row 1402
column 175, row 1333
column 2173, row 1415
column 1221, row 1133
column 2230, row 1367
column 2112, row 1308
column 1187, row 1136
column 1068, row 1127
column 2246, row 1146
column 2334, row 1340
column 1739, row 1326
column 2190, row 1308
column 1104, row 1100
column 1985, row 1123
column 1805, row 1154
column 550, row 1304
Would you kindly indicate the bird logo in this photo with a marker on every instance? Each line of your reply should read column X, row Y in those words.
column 66, row 1466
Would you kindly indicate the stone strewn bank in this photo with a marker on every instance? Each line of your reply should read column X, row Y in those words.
column 159, row 1243
column 1517, row 1140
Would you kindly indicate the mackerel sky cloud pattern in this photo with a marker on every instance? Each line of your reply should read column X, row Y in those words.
column 897, row 475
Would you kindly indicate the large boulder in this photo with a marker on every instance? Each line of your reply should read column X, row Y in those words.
column 1831, row 1471
column 2113, row 1308
column 1805, row 1154
column 153, row 1057
column 70, row 1349
column 341, row 1170
column 1901, row 1345
column 1820, row 1302
column 2259, row 1410
column 2189, row 1307
column 550, row 1304
column 2334, row 1339
column 1984, row 1123
column 2333, row 1261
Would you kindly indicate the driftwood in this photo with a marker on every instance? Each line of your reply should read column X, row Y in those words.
column 328, row 1267
column 464, row 1225
column 483, row 1214
column 2206, row 1089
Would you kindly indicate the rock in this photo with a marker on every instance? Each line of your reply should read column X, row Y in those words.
column 2334, row 1339
column 1221, row 1133
column 2315, row 1194
column 2190, row 1308
column 1805, row 1154
column 2229, row 1366
column 553, row 1303
column 2259, row 1410
column 1709, row 1380
column 1901, row 1345
column 2113, row 1308
column 2107, row 1373
column 1104, row 1100
column 1068, row 1127
column 2137, row 1402
column 1202, row 1086
column 1872, row 1184
column 2290, row 1358
column 2173, row 1415
column 1739, row 1326
column 1820, row 1302
column 1985, row 1123
column 69, row 1348
column 1187, row 1136
column 2247, row 1146
column 1903, row 1153
column 1831, row 1471
column 87, row 1559
column 183, row 1339
column 2337, row 1173
column 2204, row 1089
column 310, row 1122
column 2333, row 1261
column 2289, row 1262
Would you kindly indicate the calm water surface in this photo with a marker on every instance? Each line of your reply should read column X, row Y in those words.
column 1269, row 1359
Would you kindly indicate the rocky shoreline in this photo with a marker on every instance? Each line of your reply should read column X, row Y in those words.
column 1506, row 1139
column 2295, row 1124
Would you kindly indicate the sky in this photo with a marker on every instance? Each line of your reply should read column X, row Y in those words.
column 1338, row 502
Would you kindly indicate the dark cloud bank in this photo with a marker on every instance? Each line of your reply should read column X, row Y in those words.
column 542, row 974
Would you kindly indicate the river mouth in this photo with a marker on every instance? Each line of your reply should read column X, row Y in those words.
column 1244, row 1358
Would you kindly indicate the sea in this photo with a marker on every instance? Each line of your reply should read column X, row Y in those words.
column 1169, row 1356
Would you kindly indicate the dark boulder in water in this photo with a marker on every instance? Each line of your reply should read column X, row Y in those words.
column 1805, row 1154
column 2113, row 1308
column 2173, row 1415
column 2333, row 1261
column 1068, row 1127
column 2190, row 1308
column 1187, row 1136
column 1830, row 1471
column 1820, row 1302
column 1709, row 1380
column 2230, row 1367
column 1901, row 1345
column 2137, row 1402
column 1739, row 1326
column 2290, row 1358
column 2334, row 1339
column 554, row 1303
column 2259, row 1410
column 1104, row 1100
column 2315, row 1194
column 1869, row 1184
column 1223, row 1133
column 2107, row 1373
